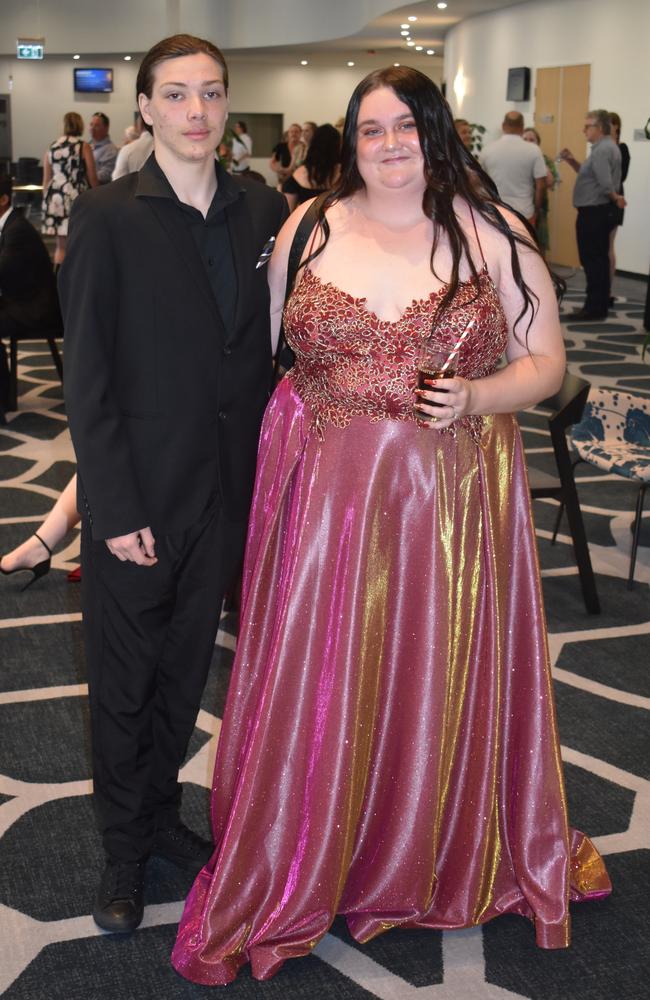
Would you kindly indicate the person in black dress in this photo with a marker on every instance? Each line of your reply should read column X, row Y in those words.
column 617, row 213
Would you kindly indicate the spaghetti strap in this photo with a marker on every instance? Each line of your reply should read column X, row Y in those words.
column 471, row 212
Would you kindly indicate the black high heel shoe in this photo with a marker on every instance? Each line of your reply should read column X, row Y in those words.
column 37, row 571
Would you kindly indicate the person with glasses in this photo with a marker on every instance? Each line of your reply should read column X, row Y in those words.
column 596, row 197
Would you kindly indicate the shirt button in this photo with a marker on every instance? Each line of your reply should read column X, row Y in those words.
column 227, row 350
column 210, row 261
column 222, row 415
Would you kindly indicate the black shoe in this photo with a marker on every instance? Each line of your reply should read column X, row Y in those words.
column 581, row 315
column 118, row 906
column 37, row 571
column 182, row 847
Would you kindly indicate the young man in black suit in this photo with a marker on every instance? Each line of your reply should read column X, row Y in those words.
column 28, row 299
column 167, row 368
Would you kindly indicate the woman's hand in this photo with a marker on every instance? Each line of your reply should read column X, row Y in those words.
column 454, row 399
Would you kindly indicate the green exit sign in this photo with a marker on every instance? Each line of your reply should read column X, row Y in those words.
column 30, row 49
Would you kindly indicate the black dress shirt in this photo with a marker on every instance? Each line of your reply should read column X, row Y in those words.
column 210, row 235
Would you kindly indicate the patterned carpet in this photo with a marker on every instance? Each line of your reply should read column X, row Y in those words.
column 50, row 948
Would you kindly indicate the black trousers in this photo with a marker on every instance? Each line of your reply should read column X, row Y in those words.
column 593, row 227
column 149, row 634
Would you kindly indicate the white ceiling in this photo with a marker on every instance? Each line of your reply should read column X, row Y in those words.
column 242, row 27
column 381, row 35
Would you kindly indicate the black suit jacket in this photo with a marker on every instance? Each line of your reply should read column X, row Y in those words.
column 27, row 284
column 164, row 403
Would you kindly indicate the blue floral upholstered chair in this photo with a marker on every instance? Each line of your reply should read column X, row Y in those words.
column 614, row 435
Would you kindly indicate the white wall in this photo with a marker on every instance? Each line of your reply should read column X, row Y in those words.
column 42, row 92
column 612, row 38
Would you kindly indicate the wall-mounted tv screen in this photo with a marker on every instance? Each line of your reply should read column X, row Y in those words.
column 93, row 81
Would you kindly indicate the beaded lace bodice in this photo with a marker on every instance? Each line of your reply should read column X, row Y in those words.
column 351, row 363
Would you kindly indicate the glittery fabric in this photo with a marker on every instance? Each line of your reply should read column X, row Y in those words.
column 389, row 748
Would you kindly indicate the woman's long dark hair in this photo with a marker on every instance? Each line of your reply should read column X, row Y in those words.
column 323, row 156
column 449, row 170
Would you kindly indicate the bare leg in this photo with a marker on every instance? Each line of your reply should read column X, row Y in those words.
column 56, row 525
column 59, row 250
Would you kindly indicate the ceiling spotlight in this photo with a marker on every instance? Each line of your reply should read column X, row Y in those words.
column 407, row 32
column 76, row 57
column 403, row 25
column 128, row 58
column 396, row 64
column 441, row 6
column 410, row 44
column 418, row 48
column 412, row 18
column 431, row 52
column 350, row 63
column 303, row 62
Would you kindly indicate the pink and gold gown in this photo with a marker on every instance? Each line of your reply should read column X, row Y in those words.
column 389, row 748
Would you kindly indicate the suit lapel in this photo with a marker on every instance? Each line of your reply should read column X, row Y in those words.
column 240, row 230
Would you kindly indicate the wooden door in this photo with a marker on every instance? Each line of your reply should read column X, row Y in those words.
column 561, row 104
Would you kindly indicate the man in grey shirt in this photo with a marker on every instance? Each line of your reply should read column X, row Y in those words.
column 104, row 151
column 594, row 195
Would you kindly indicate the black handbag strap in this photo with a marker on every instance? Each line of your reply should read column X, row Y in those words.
column 284, row 354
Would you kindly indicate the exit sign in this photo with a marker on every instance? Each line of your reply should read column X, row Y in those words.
column 30, row 48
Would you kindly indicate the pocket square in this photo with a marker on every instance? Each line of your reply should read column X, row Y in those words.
column 267, row 250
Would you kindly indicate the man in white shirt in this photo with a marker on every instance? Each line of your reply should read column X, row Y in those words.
column 134, row 154
column 242, row 147
column 516, row 167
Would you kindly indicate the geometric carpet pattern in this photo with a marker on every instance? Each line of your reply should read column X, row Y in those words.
column 50, row 856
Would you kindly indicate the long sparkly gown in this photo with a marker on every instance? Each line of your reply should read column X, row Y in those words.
column 389, row 748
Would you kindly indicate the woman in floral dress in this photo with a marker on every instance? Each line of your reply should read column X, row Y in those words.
column 68, row 169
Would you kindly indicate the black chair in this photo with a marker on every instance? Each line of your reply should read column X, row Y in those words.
column 14, row 337
column 566, row 408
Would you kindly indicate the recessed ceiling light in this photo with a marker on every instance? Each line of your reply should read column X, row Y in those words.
column 412, row 18
column 396, row 64
column 403, row 25
column 407, row 32
column 127, row 58
column 350, row 63
column 431, row 52
column 441, row 6
column 304, row 62
column 418, row 48
column 410, row 44
column 76, row 57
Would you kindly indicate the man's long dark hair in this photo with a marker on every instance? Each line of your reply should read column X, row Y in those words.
column 449, row 170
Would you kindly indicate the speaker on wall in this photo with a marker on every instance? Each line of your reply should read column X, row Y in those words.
column 518, row 84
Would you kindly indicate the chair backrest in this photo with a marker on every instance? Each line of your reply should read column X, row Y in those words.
column 611, row 415
column 566, row 405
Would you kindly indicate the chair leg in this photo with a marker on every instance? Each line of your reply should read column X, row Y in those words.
column 558, row 520
column 635, row 536
column 581, row 550
column 56, row 357
column 13, row 374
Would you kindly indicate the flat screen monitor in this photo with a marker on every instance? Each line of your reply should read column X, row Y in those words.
column 518, row 84
column 93, row 81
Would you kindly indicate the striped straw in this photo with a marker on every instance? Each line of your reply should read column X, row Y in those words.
column 456, row 348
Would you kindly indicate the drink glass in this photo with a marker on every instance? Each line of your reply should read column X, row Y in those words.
column 431, row 359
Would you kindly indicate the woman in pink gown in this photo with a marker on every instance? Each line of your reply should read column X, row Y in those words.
column 389, row 749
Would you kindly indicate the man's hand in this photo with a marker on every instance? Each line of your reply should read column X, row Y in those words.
column 138, row 547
